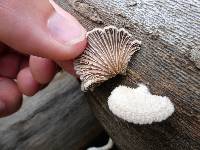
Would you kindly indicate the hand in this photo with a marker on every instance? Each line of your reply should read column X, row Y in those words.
column 34, row 35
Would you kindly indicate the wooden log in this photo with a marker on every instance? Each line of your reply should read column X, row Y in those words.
column 169, row 31
column 57, row 118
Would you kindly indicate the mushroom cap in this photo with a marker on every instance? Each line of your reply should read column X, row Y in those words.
column 138, row 105
column 106, row 55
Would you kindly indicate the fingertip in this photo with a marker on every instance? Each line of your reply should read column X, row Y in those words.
column 66, row 30
column 62, row 51
column 67, row 66
column 42, row 69
column 10, row 97
column 26, row 83
column 76, row 49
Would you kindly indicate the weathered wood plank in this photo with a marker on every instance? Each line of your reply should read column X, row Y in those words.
column 169, row 30
column 57, row 118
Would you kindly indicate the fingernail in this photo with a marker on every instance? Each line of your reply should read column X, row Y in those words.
column 2, row 107
column 65, row 28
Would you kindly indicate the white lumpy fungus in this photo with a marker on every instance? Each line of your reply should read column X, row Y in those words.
column 108, row 146
column 138, row 105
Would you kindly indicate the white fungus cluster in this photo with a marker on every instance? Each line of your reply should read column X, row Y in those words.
column 138, row 105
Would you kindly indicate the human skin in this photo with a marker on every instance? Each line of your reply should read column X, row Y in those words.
column 35, row 37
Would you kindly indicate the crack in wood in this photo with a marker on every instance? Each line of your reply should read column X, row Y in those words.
column 86, row 10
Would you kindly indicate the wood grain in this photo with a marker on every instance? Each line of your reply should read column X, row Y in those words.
column 169, row 30
column 57, row 118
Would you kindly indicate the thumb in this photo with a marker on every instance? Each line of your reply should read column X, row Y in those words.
column 41, row 28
